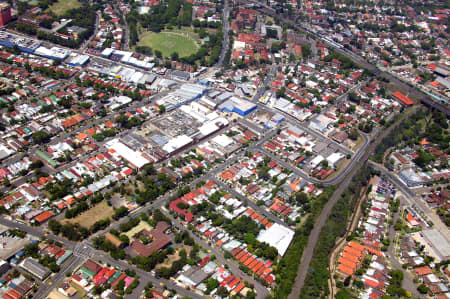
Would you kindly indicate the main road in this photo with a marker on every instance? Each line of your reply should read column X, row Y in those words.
column 226, row 38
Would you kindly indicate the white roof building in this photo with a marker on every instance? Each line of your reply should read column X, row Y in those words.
column 334, row 158
column 316, row 161
column 177, row 143
column 277, row 236
column 127, row 153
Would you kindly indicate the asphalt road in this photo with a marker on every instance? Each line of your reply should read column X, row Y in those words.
column 225, row 29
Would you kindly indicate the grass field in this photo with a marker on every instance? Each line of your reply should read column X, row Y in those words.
column 98, row 212
column 169, row 42
column 142, row 225
column 60, row 7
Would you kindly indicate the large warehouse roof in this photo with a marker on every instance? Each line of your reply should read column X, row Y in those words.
column 277, row 236
column 127, row 153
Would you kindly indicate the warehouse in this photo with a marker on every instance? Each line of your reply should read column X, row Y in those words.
column 334, row 158
column 127, row 153
column 176, row 144
column 239, row 106
column 277, row 236
column 75, row 59
column 52, row 53
column 185, row 94
column 437, row 242
column 24, row 44
column 33, row 267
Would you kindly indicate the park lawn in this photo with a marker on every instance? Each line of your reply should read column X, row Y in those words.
column 142, row 225
column 60, row 7
column 191, row 32
column 169, row 42
column 89, row 217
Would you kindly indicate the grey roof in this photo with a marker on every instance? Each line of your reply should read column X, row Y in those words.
column 181, row 74
column 159, row 139
column 33, row 266
column 443, row 81
column 438, row 241
column 3, row 154
column 296, row 130
column 196, row 275
column 150, row 78
column 224, row 96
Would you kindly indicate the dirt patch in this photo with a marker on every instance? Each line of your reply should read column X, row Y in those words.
column 56, row 295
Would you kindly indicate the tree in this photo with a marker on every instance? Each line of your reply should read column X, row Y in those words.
column 55, row 226
column 36, row 164
column 281, row 92
column 306, row 51
column 174, row 56
column 301, row 197
column 423, row 289
column 40, row 137
column 222, row 292
column 162, row 109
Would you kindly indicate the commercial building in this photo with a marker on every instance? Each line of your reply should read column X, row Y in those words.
column 5, row 152
column 53, row 53
column 24, row 44
column 75, row 59
column 184, row 95
column 411, row 178
column 177, row 143
column 134, row 157
column 402, row 98
column 240, row 106
column 5, row 14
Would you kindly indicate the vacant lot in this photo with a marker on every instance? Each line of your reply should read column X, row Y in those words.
column 142, row 225
column 169, row 42
column 60, row 7
column 98, row 212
